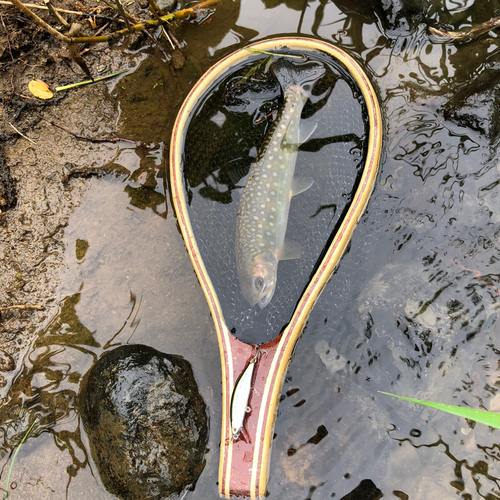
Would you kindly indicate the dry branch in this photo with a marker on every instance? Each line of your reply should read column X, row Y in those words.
column 470, row 34
column 43, row 7
column 40, row 22
column 22, row 306
column 56, row 14
column 180, row 14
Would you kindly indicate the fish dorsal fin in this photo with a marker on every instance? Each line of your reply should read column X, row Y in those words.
column 291, row 250
column 301, row 184
column 306, row 129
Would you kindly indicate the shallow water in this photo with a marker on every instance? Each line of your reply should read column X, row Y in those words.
column 412, row 309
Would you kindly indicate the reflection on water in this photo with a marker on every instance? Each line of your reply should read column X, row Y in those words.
column 413, row 308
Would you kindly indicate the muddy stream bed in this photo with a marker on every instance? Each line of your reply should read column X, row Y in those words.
column 412, row 309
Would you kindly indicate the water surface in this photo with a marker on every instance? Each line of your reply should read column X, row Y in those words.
column 412, row 309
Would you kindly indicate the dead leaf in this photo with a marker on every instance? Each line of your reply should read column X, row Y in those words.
column 40, row 89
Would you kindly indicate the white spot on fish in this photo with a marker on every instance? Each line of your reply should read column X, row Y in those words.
column 263, row 205
column 268, row 199
column 255, row 217
column 282, row 166
column 273, row 193
column 270, row 158
column 265, row 176
column 275, row 184
column 271, row 224
column 268, row 233
column 253, row 230
column 273, row 209
column 280, row 157
column 275, row 174
column 279, row 202
column 275, row 142
column 276, row 149
column 271, row 216
column 261, row 244
column 259, row 226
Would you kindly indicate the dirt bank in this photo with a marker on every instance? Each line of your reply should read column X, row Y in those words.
column 42, row 174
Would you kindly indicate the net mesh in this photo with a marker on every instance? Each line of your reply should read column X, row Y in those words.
column 224, row 135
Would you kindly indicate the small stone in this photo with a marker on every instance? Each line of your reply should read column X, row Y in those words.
column 7, row 363
column 178, row 59
column 166, row 5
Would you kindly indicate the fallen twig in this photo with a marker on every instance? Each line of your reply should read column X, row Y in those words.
column 124, row 15
column 470, row 34
column 43, row 7
column 22, row 306
column 56, row 14
column 92, row 139
column 21, row 134
column 145, row 25
column 4, row 65
column 73, row 50
column 8, row 38
column 40, row 22
column 158, row 44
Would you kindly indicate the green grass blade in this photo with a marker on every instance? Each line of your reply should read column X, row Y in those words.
column 483, row 417
column 87, row 82
column 6, row 494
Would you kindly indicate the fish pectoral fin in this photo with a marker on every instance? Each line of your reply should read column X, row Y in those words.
column 301, row 184
column 306, row 129
column 291, row 250
column 236, row 171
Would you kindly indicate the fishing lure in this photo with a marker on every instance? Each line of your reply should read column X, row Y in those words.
column 241, row 396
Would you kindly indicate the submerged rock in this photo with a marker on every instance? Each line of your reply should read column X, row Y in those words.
column 477, row 108
column 146, row 422
column 366, row 490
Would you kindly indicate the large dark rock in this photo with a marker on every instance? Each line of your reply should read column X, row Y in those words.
column 146, row 422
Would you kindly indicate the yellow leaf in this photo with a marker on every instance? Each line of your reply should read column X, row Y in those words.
column 40, row 89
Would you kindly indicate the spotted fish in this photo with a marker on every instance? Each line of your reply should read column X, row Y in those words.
column 265, row 202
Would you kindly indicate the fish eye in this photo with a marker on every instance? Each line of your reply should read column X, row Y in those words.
column 258, row 283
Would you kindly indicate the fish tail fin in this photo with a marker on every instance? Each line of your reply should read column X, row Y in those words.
column 304, row 75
